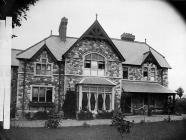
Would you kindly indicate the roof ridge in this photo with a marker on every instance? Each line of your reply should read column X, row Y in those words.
column 33, row 45
column 16, row 49
column 127, row 41
column 66, row 36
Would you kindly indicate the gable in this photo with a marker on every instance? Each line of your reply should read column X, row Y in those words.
column 96, row 32
column 149, row 58
column 44, row 48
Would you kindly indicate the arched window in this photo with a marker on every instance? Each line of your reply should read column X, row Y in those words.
column 94, row 65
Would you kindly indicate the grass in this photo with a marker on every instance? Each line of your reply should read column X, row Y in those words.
column 147, row 131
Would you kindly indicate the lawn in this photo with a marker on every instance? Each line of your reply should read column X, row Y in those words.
column 147, row 131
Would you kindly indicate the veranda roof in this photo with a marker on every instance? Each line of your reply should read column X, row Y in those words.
column 96, row 81
column 144, row 87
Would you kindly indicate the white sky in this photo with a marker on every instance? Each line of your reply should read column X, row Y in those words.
column 155, row 20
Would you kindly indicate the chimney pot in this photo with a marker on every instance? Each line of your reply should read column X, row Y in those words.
column 63, row 28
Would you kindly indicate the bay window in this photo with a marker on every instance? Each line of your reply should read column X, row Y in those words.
column 96, row 98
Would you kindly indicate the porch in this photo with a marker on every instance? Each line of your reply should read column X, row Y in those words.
column 140, row 97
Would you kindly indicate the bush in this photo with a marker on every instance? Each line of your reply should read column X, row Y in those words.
column 180, row 105
column 104, row 115
column 52, row 123
column 85, row 115
column 120, row 123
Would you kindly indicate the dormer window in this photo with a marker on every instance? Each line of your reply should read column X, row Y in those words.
column 94, row 65
column 43, row 67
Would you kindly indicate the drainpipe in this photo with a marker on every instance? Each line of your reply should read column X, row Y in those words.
column 24, row 85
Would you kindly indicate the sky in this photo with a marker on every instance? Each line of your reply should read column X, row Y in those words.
column 155, row 20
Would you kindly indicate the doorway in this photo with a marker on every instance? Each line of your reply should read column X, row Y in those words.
column 125, row 104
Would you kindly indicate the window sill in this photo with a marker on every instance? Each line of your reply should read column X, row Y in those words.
column 37, row 104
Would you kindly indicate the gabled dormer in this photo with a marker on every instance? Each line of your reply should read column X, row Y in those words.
column 149, row 66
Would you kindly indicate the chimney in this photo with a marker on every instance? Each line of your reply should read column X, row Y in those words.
column 128, row 37
column 63, row 28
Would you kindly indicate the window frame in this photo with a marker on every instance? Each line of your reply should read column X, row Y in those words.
column 94, row 71
column 146, row 72
column 127, row 72
column 153, row 73
column 45, row 92
column 46, row 64
column 105, row 90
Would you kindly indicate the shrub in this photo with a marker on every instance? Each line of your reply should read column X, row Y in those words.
column 104, row 115
column 85, row 115
column 52, row 123
column 53, row 120
column 120, row 123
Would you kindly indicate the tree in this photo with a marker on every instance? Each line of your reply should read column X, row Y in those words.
column 180, row 92
column 16, row 9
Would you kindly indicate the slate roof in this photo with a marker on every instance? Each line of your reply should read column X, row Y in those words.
column 131, row 51
column 54, row 44
column 14, row 60
column 96, row 81
column 144, row 87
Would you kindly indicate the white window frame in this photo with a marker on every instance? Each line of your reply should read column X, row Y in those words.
column 97, row 69
column 40, row 62
column 104, row 93
column 45, row 86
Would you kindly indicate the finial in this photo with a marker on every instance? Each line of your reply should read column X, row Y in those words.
column 145, row 40
column 50, row 32
column 96, row 16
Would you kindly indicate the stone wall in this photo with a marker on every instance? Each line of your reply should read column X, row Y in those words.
column 136, row 73
column 74, row 60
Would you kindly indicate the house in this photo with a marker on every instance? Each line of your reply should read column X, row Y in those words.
column 93, row 72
